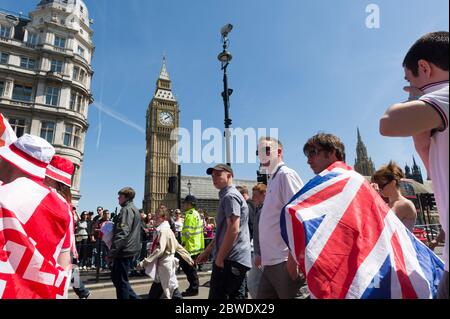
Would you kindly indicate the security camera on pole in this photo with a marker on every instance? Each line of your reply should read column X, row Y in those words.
column 225, row 58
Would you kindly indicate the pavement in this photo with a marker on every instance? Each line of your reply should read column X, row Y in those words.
column 142, row 287
column 104, row 288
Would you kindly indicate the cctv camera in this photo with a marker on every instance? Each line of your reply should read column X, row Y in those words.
column 226, row 29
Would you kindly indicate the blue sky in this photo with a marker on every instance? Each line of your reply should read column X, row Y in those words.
column 299, row 66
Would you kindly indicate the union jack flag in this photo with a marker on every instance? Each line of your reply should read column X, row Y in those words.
column 350, row 244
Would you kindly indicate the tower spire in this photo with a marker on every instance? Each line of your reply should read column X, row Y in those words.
column 363, row 163
column 164, row 75
column 416, row 173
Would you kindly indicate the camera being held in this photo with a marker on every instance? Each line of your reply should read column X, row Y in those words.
column 261, row 177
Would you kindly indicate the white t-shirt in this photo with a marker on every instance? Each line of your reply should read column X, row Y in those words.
column 280, row 189
column 437, row 97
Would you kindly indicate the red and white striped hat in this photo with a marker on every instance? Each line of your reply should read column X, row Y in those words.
column 29, row 153
column 60, row 170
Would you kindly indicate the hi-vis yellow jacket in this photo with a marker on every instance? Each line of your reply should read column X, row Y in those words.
column 192, row 233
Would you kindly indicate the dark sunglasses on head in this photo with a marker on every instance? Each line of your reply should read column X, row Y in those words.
column 267, row 149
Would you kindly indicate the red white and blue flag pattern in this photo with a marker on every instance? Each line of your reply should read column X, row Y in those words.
column 36, row 225
column 350, row 244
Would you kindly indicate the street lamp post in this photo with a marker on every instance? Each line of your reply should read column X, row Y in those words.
column 225, row 58
column 189, row 185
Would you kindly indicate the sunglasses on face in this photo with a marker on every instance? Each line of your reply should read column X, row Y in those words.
column 382, row 186
column 313, row 152
column 267, row 150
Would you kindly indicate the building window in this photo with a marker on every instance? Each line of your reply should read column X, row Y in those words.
column 52, row 96
column 76, row 71
column 79, row 102
column 27, row 63
column 82, row 76
column 5, row 32
column 72, row 136
column 73, row 97
column 32, row 38
column 48, row 131
column 56, row 66
column 4, row 58
column 22, row 93
column 68, row 135
column 18, row 126
column 81, row 51
column 60, row 42
column 2, row 88
column 77, row 137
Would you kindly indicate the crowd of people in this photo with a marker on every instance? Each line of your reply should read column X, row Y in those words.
column 251, row 249
column 93, row 250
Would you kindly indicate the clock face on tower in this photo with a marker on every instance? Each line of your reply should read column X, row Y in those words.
column 166, row 118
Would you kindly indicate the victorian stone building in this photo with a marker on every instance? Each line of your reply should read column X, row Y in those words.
column 414, row 173
column 46, row 74
column 363, row 163
column 164, row 184
column 161, row 171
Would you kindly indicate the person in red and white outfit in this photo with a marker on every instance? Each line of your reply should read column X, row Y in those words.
column 59, row 177
column 36, row 225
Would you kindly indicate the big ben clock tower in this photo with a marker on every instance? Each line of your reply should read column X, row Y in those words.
column 160, row 170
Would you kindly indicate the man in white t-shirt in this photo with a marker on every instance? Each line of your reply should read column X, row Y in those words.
column 425, row 117
column 281, row 278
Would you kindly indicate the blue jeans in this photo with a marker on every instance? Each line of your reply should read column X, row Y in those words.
column 119, row 276
column 228, row 282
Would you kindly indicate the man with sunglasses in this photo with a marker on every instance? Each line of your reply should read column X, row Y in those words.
column 322, row 150
column 280, row 278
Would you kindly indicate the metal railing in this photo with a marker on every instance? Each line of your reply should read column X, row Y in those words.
column 428, row 216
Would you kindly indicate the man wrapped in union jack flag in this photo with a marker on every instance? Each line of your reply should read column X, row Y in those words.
column 347, row 241
column 33, row 263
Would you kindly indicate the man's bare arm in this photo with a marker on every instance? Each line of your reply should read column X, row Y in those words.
column 409, row 119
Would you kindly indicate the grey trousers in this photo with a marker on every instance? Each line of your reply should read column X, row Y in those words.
column 443, row 287
column 275, row 283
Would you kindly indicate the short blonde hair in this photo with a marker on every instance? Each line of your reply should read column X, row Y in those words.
column 273, row 140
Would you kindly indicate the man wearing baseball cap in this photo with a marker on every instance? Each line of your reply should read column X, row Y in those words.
column 231, row 246
column 38, row 223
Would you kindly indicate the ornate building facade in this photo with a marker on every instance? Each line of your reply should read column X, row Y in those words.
column 363, row 163
column 161, row 173
column 415, row 173
column 46, row 74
